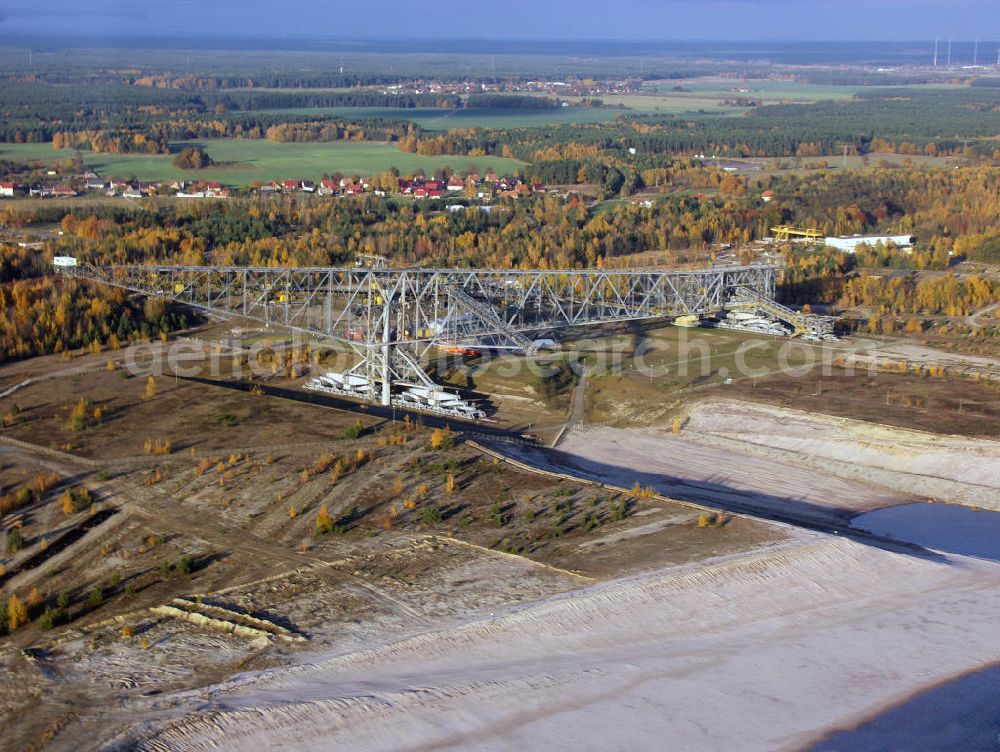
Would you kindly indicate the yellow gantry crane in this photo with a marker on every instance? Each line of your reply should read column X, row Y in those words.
column 786, row 232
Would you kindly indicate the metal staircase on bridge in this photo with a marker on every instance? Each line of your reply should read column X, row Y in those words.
column 808, row 325
column 489, row 321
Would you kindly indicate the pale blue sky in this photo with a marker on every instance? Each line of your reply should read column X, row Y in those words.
column 511, row 19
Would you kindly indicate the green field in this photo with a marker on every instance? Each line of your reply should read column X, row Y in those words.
column 446, row 119
column 246, row 161
column 762, row 89
column 667, row 104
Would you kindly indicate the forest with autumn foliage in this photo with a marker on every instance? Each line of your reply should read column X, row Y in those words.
column 952, row 213
column 44, row 316
column 621, row 181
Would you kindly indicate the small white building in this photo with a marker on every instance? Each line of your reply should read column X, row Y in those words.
column 850, row 243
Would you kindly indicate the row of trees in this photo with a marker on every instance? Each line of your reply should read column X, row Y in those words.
column 943, row 295
column 35, row 108
column 901, row 121
column 950, row 212
column 111, row 142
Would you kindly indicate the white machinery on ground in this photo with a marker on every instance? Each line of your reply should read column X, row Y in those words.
column 427, row 398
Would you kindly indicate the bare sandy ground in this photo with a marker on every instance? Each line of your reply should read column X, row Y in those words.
column 770, row 651
column 910, row 352
column 766, row 458
column 819, row 640
column 944, row 468
column 685, row 467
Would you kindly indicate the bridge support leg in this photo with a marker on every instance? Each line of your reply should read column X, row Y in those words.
column 386, row 355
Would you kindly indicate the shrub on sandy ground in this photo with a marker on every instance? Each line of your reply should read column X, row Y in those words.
column 34, row 601
column 441, row 438
column 75, row 499
column 324, row 523
column 17, row 613
column 22, row 497
column 353, row 432
column 15, row 541
column 157, row 446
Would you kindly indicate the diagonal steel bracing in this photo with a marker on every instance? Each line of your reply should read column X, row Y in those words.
column 394, row 316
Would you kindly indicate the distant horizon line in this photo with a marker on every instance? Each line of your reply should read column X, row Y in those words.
column 743, row 41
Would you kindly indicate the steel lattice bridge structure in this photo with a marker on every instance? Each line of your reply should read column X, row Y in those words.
column 393, row 317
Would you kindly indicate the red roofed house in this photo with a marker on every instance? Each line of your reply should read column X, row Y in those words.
column 290, row 186
column 214, row 189
column 6, row 189
column 456, row 184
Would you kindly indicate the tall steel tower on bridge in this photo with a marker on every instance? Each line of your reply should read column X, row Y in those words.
column 391, row 318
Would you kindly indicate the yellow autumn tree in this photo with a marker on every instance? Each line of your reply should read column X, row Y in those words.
column 68, row 507
column 324, row 523
column 17, row 613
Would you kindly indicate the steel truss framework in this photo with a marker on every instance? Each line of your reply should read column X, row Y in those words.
column 392, row 317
